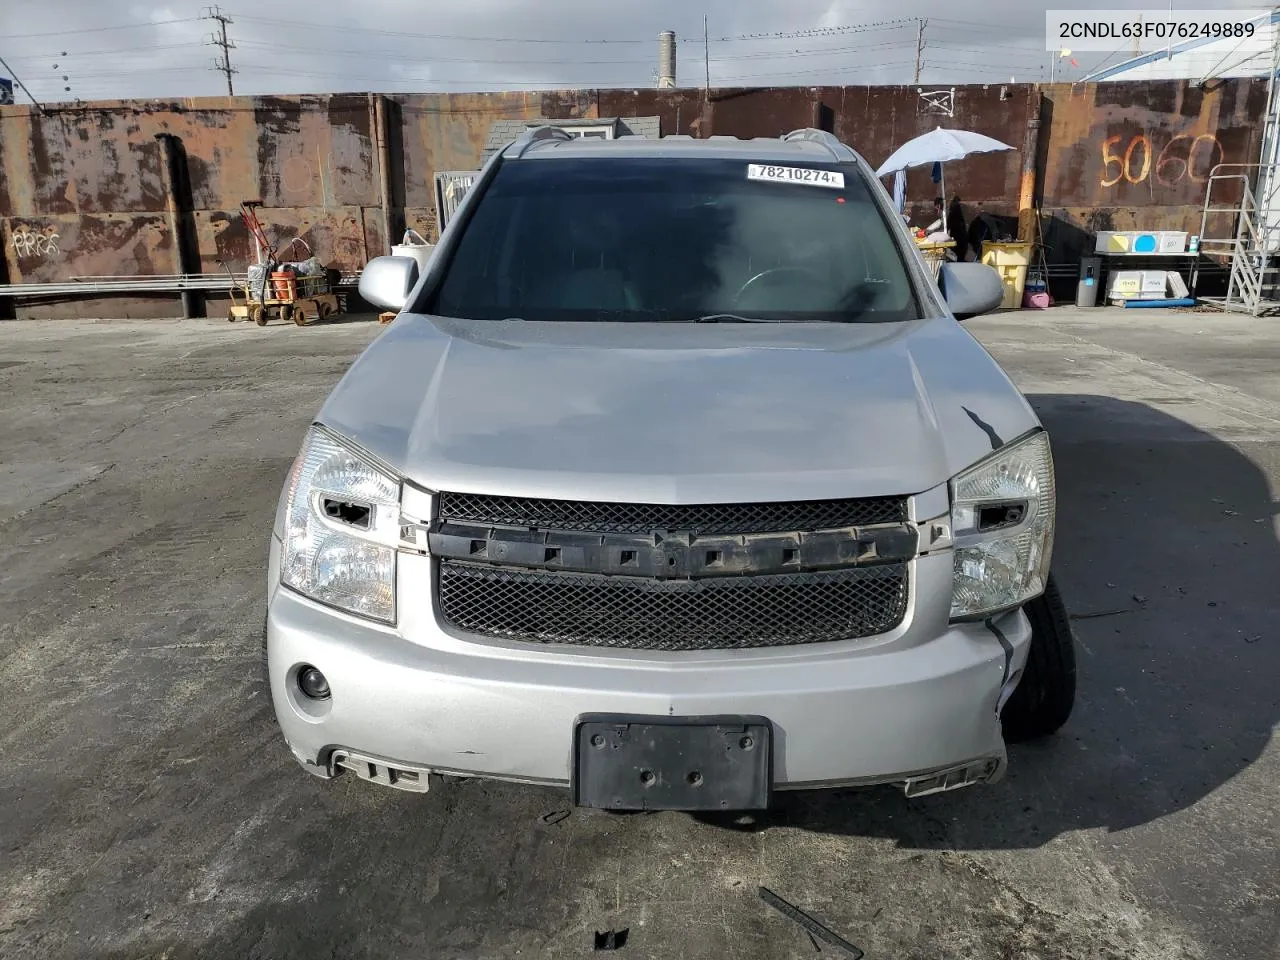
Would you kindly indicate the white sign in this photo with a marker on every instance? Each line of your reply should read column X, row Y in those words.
column 803, row 175
column 1150, row 30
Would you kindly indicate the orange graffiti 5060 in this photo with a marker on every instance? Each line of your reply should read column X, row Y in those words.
column 1183, row 157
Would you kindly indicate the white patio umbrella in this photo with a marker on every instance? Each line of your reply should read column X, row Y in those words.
column 939, row 146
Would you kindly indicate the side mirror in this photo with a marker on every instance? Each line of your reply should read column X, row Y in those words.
column 386, row 282
column 970, row 289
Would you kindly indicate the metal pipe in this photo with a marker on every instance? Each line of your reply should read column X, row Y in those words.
column 170, row 177
column 1158, row 304
column 379, row 103
column 1030, row 159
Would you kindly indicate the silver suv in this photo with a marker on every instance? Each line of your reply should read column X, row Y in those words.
column 675, row 482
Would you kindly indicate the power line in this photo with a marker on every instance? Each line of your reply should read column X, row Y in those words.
column 333, row 52
column 122, row 26
column 818, row 31
column 223, row 66
column 312, row 25
column 274, row 70
column 793, row 35
column 9, row 70
column 1003, row 67
column 51, row 55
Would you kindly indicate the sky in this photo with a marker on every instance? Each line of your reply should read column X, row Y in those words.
column 107, row 49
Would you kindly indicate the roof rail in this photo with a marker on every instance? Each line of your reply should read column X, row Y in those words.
column 829, row 140
column 535, row 134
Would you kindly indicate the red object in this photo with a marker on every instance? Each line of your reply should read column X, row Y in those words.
column 254, row 226
column 283, row 285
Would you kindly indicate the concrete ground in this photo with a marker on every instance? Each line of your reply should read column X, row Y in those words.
column 148, row 808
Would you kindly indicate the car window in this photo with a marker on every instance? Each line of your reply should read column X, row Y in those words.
column 672, row 239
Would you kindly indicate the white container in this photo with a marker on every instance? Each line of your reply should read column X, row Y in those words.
column 1140, row 242
column 415, row 247
column 1137, row 285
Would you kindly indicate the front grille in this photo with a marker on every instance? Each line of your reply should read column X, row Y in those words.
column 642, row 614
column 795, row 516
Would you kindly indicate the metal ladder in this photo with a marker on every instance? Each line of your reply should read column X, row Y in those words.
column 1245, row 233
column 1249, row 229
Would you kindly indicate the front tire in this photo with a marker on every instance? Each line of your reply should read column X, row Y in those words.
column 1044, row 697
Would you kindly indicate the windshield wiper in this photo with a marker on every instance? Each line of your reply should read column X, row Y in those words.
column 729, row 318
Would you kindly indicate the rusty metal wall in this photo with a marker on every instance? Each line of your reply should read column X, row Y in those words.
column 874, row 120
column 447, row 131
column 82, row 191
column 1136, row 155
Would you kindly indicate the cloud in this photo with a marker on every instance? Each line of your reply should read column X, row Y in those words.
column 142, row 50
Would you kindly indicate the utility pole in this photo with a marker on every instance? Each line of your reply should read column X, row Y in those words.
column 706, row 52
column 222, row 65
column 920, row 25
column 13, row 76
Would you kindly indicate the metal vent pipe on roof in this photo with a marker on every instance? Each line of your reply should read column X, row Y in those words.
column 666, row 59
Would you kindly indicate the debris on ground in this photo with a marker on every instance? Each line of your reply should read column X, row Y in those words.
column 811, row 926
column 1095, row 615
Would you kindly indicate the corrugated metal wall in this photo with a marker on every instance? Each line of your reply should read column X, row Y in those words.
column 82, row 191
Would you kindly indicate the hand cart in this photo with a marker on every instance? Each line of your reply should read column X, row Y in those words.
column 273, row 288
column 289, row 297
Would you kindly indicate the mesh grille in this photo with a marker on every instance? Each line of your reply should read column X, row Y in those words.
column 730, row 518
column 641, row 614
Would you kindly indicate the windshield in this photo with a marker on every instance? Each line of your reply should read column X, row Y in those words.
column 667, row 239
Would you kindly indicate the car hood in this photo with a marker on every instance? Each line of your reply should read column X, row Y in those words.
column 670, row 413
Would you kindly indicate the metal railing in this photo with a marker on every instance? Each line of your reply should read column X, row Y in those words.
column 451, row 190
column 174, row 283
column 1250, row 244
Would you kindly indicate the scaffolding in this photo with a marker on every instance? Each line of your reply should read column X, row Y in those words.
column 1245, row 233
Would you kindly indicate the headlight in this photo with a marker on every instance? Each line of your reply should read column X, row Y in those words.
column 1002, row 515
column 341, row 528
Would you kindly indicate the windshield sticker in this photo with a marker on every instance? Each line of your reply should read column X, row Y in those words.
column 812, row 178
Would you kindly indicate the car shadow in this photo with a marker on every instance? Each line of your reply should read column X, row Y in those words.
column 1168, row 560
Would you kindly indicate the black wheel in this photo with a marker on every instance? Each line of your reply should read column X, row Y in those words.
column 288, row 312
column 258, row 314
column 1044, row 697
column 231, row 317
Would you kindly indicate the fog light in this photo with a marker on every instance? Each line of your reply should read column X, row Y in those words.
column 312, row 683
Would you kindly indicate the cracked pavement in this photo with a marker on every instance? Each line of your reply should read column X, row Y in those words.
column 148, row 807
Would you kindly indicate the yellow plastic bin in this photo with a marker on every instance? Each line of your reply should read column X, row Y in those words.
column 1010, row 261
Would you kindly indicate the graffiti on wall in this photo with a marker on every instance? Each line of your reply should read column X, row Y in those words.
column 34, row 243
column 1185, row 157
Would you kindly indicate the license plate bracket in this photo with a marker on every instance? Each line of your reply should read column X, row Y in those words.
column 626, row 762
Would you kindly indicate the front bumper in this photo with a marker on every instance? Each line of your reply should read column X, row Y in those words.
column 919, row 705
